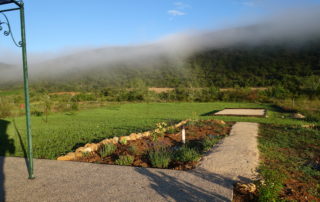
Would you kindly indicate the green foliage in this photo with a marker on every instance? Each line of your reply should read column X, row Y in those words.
column 133, row 150
column 159, row 131
column 172, row 130
column 36, row 113
column 107, row 149
column 125, row 160
column 160, row 158
column 84, row 97
column 86, row 154
column 123, row 141
column 64, row 131
column 186, row 154
column 5, row 108
column 209, row 141
column 74, row 106
column 47, row 104
column 270, row 189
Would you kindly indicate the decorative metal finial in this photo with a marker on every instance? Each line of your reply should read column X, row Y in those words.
column 8, row 31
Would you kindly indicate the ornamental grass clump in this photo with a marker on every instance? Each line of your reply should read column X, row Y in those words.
column 209, row 141
column 107, row 149
column 186, row 154
column 160, row 158
column 124, row 160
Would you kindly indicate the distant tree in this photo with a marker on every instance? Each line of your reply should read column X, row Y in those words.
column 47, row 103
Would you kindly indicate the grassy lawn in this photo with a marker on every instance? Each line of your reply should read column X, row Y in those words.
column 290, row 163
column 66, row 131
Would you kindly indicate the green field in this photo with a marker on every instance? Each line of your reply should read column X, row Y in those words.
column 66, row 131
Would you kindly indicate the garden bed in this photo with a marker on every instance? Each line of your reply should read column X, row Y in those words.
column 163, row 148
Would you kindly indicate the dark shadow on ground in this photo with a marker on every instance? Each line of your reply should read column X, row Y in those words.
column 21, row 143
column 210, row 113
column 6, row 146
column 279, row 109
column 170, row 187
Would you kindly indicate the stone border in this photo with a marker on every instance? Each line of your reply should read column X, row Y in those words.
column 93, row 147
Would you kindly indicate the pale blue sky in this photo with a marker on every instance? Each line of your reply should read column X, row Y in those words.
column 54, row 25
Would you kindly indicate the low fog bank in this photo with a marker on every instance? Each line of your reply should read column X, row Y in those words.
column 294, row 27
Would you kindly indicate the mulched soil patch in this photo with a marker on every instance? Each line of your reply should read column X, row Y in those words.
column 139, row 149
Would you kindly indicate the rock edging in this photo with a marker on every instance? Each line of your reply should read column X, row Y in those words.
column 93, row 147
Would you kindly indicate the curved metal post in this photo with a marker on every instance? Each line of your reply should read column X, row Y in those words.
column 23, row 46
column 26, row 90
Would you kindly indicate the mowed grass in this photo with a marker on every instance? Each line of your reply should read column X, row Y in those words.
column 64, row 132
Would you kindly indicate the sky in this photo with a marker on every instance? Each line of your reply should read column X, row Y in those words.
column 60, row 25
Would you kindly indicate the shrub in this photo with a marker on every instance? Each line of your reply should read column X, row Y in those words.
column 86, row 154
column 123, row 141
column 159, row 131
column 75, row 106
column 133, row 150
column 84, row 97
column 160, row 158
column 36, row 113
column 107, row 150
column 209, row 141
column 185, row 154
column 125, row 160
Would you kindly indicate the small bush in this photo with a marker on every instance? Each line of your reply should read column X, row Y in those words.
column 208, row 142
column 107, row 150
column 86, row 154
column 133, row 150
column 172, row 130
column 160, row 158
column 185, row 154
column 159, row 131
column 124, row 160
column 75, row 106
column 123, row 141
column 37, row 113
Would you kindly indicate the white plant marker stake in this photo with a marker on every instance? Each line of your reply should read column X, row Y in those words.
column 183, row 135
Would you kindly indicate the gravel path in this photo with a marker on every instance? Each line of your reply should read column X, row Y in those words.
column 73, row 181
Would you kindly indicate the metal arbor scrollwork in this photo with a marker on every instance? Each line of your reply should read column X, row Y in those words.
column 8, row 31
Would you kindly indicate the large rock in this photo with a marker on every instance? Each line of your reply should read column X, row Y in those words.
column 80, row 149
column 69, row 157
column 106, row 141
column 298, row 116
column 78, row 154
column 146, row 134
column 133, row 136
column 181, row 123
column 245, row 188
column 92, row 147
column 221, row 122
column 115, row 140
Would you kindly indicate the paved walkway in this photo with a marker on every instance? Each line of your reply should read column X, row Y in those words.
column 73, row 181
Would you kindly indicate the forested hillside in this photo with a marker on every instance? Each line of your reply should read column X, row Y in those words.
column 264, row 65
column 285, row 64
